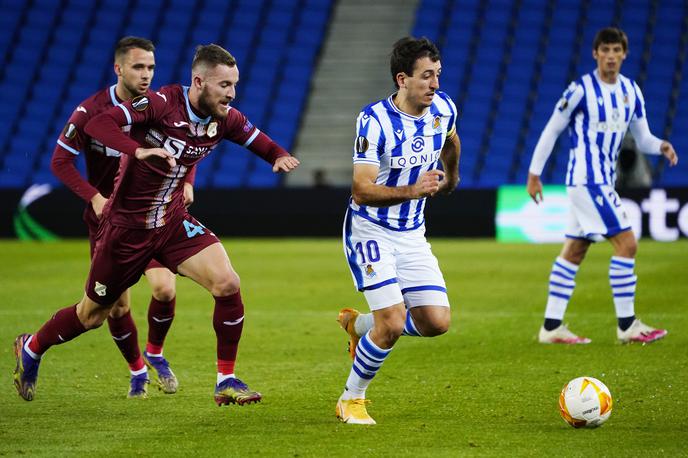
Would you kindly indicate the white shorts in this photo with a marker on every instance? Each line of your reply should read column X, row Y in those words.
column 392, row 267
column 596, row 211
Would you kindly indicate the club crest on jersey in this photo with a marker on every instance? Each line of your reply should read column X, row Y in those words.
column 370, row 272
column 212, row 129
column 362, row 144
column 625, row 101
column 436, row 123
column 615, row 114
column 100, row 289
column 69, row 131
column 139, row 103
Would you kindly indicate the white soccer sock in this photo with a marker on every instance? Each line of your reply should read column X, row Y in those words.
column 623, row 282
column 33, row 355
column 561, row 284
column 222, row 377
column 369, row 359
column 363, row 323
column 143, row 370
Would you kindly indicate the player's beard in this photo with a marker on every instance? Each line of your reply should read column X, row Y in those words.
column 207, row 106
column 133, row 90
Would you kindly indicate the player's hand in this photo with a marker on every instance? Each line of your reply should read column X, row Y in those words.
column 428, row 184
column 449, row 183
column 146, row 154
column 98, row 203
column 534, row 188
column 669, row 152
column 188, row 195
column 285, row 164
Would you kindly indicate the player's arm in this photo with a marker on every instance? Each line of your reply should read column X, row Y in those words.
column 451, row 152
column 646, row 142
column 365, row 191
column 63, row 162
column 560, row 118
column 189, row 180
column 106, row 127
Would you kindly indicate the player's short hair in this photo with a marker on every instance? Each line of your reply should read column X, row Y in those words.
column 212, row 55
column 407, row 51
column 125, row 44
column 610, row 35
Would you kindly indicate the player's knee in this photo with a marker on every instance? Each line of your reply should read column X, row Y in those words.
column 226, row 285
column 164, row 291
column 436, row 326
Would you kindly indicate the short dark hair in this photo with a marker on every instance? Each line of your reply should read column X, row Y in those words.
column 125, row 44
column 407, row 51
column 212, row 55
column 610, row 35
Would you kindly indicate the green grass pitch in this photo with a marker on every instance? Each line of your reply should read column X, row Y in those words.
column 486, row 388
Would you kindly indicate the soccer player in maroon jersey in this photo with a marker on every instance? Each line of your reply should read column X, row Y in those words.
column 134, row 66
column 171, row 130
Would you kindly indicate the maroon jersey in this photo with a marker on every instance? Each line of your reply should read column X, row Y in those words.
column 149, row 194
column 102, row 162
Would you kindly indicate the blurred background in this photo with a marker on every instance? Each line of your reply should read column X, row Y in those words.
column 309, row 66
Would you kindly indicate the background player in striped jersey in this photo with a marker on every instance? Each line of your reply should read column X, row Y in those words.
column 134, row 66
column 400, row 144
column 172, row 129
column 598, row 109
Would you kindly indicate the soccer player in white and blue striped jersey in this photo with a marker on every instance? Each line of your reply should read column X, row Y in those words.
column 597, row 109
column 403, row 143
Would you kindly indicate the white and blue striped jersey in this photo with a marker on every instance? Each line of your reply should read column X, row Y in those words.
column 404, row 147
column 599, row 115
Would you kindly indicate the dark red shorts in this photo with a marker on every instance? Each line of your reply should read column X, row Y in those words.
column 92, row 223
column 122, row 254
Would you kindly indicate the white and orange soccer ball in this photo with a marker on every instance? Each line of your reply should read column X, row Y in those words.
column 585, row 402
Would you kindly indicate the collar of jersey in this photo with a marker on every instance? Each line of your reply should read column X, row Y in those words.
column 189, row 111
column 394, row 107
column 596, row 75
column 113, row 96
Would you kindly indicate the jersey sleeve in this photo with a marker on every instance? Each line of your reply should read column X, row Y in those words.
column 451, row 127
column 570, row 101
column 70, row 143
column 369, row 142
column 238, row 128
column 107, row 126
column 639, row 108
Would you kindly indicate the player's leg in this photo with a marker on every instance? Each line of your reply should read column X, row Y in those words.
column 562, row 278
column 623, row 280
column 212, row 269
column 160, row 316
column 125, row 335
column 65, row 325
column 370, row 255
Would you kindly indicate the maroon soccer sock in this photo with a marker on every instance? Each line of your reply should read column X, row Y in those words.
column 61, row 328
column 228, row 321
column 123, row 331
column 160, row 316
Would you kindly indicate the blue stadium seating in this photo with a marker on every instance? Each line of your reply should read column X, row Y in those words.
column 54, row 54
column 507, row 62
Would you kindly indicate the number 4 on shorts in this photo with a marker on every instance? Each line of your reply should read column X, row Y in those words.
column 192, row 229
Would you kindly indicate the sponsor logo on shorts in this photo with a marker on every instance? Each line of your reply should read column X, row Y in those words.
column 100, row 289
column 139, row 103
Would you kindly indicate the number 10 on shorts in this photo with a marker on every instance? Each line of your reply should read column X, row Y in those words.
column 371, row 249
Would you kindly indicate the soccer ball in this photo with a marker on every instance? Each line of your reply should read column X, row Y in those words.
column 585, row 402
